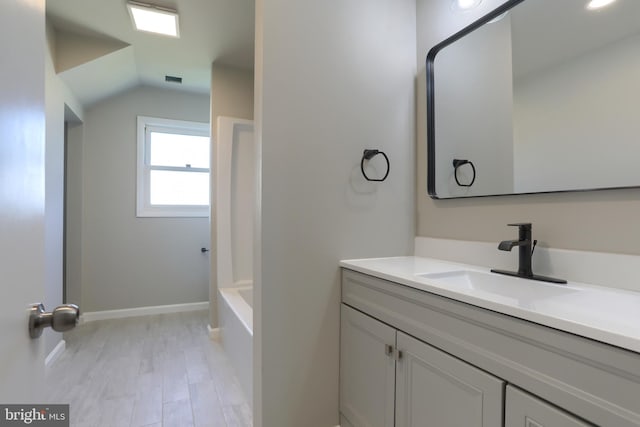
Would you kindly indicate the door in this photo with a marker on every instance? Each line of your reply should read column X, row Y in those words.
column 524, row 410
column 22, row 121
column 367, row 370
column 434, row 389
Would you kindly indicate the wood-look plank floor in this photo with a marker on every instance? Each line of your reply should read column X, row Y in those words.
column 160, row 370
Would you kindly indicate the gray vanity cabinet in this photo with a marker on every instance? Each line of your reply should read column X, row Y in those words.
column 436, row 389
column 410, row 358
column 525, row 410
column 384, row 371
column 367, row 370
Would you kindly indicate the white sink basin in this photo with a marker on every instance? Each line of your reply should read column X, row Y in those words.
column 497, row 284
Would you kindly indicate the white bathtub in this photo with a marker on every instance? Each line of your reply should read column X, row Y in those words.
column 236, row 333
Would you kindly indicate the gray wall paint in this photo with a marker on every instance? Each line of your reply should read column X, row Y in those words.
column 74, row 217
column 57, row 95
column 231, row 93
column 598, row 221
column 332, row 78
column 128, row 261
column 231, row 96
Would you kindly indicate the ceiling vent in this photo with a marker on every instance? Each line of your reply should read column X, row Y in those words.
column 173, row 79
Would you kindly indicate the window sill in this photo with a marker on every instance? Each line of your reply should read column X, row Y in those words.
column 169, row 212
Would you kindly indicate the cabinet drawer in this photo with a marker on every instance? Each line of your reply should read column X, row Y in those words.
column 525, row 410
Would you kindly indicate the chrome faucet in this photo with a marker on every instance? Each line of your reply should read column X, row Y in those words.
column 526, row 246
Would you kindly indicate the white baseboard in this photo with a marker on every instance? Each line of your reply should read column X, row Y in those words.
column 142, row 311
column 214, row 333
column 55, row 353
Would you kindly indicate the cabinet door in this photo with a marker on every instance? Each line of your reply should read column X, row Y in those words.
column 367, row 371
column 434, row 389
column 524, row 410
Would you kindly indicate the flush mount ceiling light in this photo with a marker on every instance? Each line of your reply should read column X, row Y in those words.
column 597, row 4
column 154, row 19
column 465, row 4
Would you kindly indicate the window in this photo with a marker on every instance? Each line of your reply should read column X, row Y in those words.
column 173, row 168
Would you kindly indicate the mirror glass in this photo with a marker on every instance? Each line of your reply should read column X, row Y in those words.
column 537, row 96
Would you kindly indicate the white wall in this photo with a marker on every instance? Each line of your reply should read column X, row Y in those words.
column 57, row 96
column 128, row 261
column 232, row 96
column 22, row 195
column 579, row 117
column 332, row 78
column 474, row 101
column 599, row 221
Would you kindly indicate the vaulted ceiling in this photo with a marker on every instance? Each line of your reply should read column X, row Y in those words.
column 98, row 53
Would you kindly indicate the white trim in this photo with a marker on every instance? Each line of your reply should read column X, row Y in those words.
column 143, row 207
column 55, row 353
column 214, row 333
column 143, row 311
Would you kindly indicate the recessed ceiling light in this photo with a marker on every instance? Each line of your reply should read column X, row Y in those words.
column 597, row 4
column 499, row 17
column 154, row 19
column 466, row 4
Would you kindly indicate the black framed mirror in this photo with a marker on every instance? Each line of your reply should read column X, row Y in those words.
column 537, row 96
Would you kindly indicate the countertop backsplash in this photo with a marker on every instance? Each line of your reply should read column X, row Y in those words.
column 598, row 268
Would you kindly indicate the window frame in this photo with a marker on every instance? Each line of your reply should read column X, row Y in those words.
column 144, row 208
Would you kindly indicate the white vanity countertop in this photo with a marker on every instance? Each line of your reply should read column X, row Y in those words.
column 604, row 314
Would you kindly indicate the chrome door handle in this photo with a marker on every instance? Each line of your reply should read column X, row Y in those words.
column 61, row 319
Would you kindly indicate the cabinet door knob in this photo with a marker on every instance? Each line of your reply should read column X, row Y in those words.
column 388, row 349
column 399, row 354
